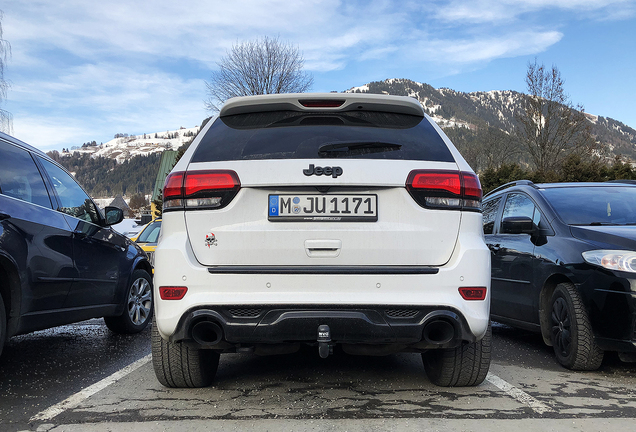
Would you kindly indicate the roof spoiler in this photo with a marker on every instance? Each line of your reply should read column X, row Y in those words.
column 322, row 102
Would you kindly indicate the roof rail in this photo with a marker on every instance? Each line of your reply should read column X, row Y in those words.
column 511, row 184
column 626, row 181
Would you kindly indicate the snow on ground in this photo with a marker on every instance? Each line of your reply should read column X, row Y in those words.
column 128, row 227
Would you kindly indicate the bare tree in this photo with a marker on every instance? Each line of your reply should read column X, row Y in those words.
column 6, row 119
column 551, row 128
column 264, row 66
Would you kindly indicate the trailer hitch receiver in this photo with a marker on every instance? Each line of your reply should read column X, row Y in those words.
column 324, row 341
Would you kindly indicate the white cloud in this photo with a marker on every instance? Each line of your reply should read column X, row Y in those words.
column 92, row 102
column 45, row 132
column 489, row 48
column 93, row 69
column 501, row 11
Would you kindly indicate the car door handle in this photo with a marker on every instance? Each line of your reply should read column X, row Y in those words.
column 4, row 216
column 494, row 247
column 323, row 248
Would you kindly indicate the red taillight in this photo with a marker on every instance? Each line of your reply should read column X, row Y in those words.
column 200, row 189
column 172, row 186
column 472, row 187
column 172, row 292
column 473, row 293
column 445, row 189
column 199, row 181
column 321, row 103
column 448, row 181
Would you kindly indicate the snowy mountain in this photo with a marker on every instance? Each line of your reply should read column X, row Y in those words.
column 123, row 147
column 497, row 108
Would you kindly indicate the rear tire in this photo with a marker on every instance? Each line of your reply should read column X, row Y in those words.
column 3, row 325
column 466, row 365
column 571, row 332
column 178, row 365
column 138, row 307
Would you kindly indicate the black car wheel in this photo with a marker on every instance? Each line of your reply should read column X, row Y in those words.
column 138, row 308
column 178, row 365
column 571, row 332
column 466, row 365
column 3, row 325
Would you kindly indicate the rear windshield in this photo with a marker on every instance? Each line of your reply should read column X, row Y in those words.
column 594, row 205
column 294, row 135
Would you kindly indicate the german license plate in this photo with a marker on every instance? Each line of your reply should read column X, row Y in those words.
column 323, row 208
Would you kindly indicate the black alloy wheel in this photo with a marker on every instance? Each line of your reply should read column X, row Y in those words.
column 561, row 327
column 571, row 331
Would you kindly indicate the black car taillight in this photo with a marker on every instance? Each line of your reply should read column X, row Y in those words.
column 210, row 189
column 453, row 190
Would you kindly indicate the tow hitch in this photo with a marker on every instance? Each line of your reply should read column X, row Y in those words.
column 324, row 341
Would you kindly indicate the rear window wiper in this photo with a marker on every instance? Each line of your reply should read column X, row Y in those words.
column 356, row 148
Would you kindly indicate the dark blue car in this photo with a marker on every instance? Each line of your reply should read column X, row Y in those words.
column 564, row 264
column 60, row 262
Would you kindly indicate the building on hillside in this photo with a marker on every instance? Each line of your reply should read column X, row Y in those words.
column 168, row 159
column 120, row 204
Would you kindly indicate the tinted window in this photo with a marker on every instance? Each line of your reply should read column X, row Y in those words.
column 294, row 135
column 489, row 209
column 521, row 205
column 594, row 205
column 20, row 177
column 73, row 200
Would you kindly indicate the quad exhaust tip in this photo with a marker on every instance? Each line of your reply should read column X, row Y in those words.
column 207, row 333
column 438, row 332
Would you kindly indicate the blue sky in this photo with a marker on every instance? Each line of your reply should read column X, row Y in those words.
column 83, row 71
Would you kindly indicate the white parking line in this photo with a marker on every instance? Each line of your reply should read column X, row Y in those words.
column 76, row 399
column 517, row 394
column 79, row 397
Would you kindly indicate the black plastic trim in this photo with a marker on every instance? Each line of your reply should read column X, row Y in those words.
column 323, row 270
column 348, row 323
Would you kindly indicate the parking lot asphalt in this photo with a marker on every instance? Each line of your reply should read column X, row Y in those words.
column 525, row 389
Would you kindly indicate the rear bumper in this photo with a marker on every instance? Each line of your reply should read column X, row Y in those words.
column 322, row 288
column 417, row 327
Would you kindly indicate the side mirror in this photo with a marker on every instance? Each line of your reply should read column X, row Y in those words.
column 517, row 225
column 114, row 215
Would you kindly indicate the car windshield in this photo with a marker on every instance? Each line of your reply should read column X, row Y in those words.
column 594, row 205
column 150, row 234
column 295, row 135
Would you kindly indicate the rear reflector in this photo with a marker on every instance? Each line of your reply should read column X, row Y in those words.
column 473, row 293
column 321, row 103
column 456, row 190
column 200, row 189
column 172, row 292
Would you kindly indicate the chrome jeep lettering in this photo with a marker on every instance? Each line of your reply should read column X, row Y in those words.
column 328, row 171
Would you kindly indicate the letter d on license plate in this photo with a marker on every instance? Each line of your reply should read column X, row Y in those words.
column 323, row 208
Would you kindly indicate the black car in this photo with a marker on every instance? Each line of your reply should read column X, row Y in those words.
column 564, row 264
column 60, row 262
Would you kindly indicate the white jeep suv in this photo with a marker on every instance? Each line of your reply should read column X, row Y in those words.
column 321, row 219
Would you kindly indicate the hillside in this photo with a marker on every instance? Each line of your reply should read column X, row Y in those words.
column 124, row 147
column 128, row 164
column 125, row 165
column 496, row 109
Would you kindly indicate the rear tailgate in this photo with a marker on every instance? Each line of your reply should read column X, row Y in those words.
column 246, row 232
